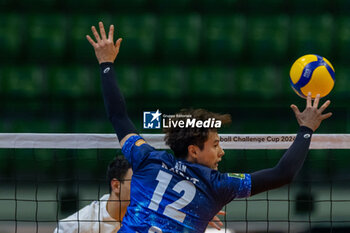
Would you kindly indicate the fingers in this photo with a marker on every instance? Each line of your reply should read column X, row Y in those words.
column 221, row 212
column 316, row 101
column 111, row 32
column 212, row 224
column 216, row 223
column 103, row 35
column 308, row 100
column 97, row 36
column 91, row 41
column 325, row 116
column 324, row 106
column 117, row 43
column 295, row 109
column 216, row 220
column 102, row 31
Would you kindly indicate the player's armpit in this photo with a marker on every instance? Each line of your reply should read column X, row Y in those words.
column 137, row 143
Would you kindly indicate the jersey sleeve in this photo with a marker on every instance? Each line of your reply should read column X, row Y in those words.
column 134, row 153
column 232, row 185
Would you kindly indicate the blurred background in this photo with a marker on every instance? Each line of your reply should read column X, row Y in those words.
column 228, row 56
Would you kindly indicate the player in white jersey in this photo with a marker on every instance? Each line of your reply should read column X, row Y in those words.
column 106, row 214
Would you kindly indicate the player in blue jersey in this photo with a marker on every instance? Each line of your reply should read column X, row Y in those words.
column 182, row 192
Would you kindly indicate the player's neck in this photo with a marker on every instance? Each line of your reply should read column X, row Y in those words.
column 116, row 208
column 191, row 159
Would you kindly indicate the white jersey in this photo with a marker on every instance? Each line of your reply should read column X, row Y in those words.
column 90, row 219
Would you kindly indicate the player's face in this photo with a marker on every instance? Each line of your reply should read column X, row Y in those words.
column 212, row 153
column 125, row 187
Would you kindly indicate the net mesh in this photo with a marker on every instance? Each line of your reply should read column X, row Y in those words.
column 46, row 177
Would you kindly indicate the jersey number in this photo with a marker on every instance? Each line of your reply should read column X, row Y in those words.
column 172, row 210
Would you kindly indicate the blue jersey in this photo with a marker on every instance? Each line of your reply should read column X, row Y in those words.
column 170, row 195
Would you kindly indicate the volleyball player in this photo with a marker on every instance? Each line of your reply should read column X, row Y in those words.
column 183, row 194
column 106, row 214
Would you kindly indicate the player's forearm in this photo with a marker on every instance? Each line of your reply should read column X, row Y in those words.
column 288, row 166
column 114, row 102
column 293, row 159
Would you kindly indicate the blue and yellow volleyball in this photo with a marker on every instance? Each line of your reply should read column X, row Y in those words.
column 312, row 73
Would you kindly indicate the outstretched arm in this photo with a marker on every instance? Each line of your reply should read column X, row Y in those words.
column 106, row 52
column 291, row 162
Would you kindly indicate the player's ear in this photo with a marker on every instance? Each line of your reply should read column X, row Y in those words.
column 115, row 186
column 192, row 151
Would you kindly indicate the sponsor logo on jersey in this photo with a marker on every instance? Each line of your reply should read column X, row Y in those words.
column 236, row 175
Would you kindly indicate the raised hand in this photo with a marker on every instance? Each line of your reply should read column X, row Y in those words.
column 105, row 48
column 312, row 116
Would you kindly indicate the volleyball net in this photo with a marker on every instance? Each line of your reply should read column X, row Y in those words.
column 47, row 177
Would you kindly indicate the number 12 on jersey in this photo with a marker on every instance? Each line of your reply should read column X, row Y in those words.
column 172, row 210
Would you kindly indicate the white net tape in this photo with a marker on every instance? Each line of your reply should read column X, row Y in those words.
column 110, row 141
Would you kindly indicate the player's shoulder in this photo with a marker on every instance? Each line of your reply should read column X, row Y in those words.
column 135, row 141
column 161, row 157
column 217, row 175
column 204, row 170
column 131, row 140
column 105, row 197
column 193, row 170
column 96, row 206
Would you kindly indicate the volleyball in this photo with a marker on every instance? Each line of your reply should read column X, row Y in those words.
column 312, row 73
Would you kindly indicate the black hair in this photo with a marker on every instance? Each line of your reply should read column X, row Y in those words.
column 117, row 169
column 178, row 138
